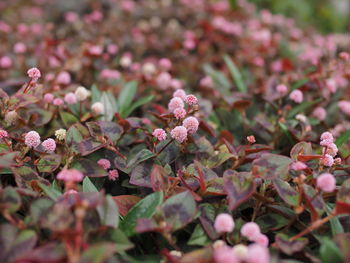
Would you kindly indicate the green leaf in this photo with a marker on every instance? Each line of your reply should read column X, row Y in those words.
column 329, row 252
column 286, row 192
column 143, row 209
column 236, row 75
column 108, row 212
column 95, row 94
column 198, row 237
column 299, row 83
column 302, row 107
column 88, row 186
column 270, row 166
column 179, row 210
column 343, row 138
column 220, row 80
column 10, row 199
column 336, row 226
column 110, row 105
column 136, row 104
column 233, row 3
column 126, row 96
column 141, row 156
column 50, row 191
column 286, row 132
column 68, row 118
column 98, row 253
column 49, row 163
column 271, row 222
column 121, row 241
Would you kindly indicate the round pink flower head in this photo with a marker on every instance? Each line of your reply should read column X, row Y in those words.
column 49, row 145
column 257, row 254
column 327, row 160
column 3, row 134
column 48, row 97
column 70, row 175
column 165, row 63
column 63, row 78
column 179, row 113
column 34, row 74
column 282, row 89
column 191, row 124
column 163, row 80
column 319, row 113
column 296, row 96
column 70, row 98
column 32, row 139
column 191, row 99
column 207, row 82
column 180, row 93
column 175, row 103
column 57, row 102
column 251, row 139
column 224, row 223
column 225, row 254
column 176, row 84
column 331, row 85
column 113, row 175
column 20, row 48
column 262, row 240
column 344, row 106
column 298, row 166
column 327, row 136
column 332, row 149
column 344, row 55
column 5, row 62
column 160, row 134
column 104, row 163
column 179, row 133
column 326, row 182
column 250, row 230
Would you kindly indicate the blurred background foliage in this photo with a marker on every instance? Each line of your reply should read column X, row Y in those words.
column 326, row 15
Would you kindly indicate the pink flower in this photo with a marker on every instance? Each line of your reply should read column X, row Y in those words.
column 104, row 163
column 70, row 175
column 165, row 63
column 179, row 133
column 57, row 102
column 110, row 74
column 344, row 106
column 224, row 223
column 191, row 124
column 326, row 182
column 113, row 175
column 332, row 149
column 331, row 85
column 160, row 134
column 63, row 78
column 179, row 113
column 175, row 103
column 344, row 55
column 163, row 80
column 3, row 134
column 5, row 62
column 296, row 96
column 34, row 74
column 327, row 160
column 251, row 139
column 70, row 192
column 262, row 240
column 32, row 139
column 327, row 136
column 319, row 113
column 112, row 49
column 207, row 82
column 298, row 166
column 49, row 145
column 191, row 99
column 250, row 230
column 225, row 254
column 282, row 89
column 19, row 48
column 257, row 254
column 48, row 97
column 95, row 50
column 180, row 93
column 70, row 98
column 176, row 84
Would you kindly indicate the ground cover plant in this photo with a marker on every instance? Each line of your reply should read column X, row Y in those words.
column 171, row 131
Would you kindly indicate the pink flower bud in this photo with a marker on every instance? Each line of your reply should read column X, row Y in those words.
column 191, row 99
column 180, row 93
column 251, row 139
column 327, row 160
column 282, row 89
column 250, row 230
column 257, row 254
column 160, row 134
column 49, row 145
column 57, row 102
column 179, row 133
column 298, row 166
column 296, row 96
column 175, row 103
column 327, row 136
column 344, row 106
column 34, row 74
column 70, row 175
column 48, row 97
column 70, row 98
column 179, row 113
column 319, row 113
column 3, row 134
column 326, row 182
column 32, row 139
column 113, row 175
column 262, row 240
column 224, row 223
column 104, row 163
column 191, row 124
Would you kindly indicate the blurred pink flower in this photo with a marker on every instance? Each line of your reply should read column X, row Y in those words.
column 32, row 139
column 49, row 145
column 250, row 230
column 296, row 96
column 191, row 124
column 113, row 175
column 224, row 223
column 70, row 98
column 104, row 163
column 70, row 175
column 191, row 99
column 160, row 134
column 175, row 103
column 179, row 133
column 326, row 182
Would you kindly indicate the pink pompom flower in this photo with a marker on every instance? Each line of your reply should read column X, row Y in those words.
column 34, row 74
column 261, row 239
column 165, row 63
column 160, row 134
column 327, row 136
column 319, row 113
column 224, row 223
column 298, row 166
column 344, row 106
column 250, row 230
column 32, row 139
column 175, row 103
column 3, row 134
column 180, row 113
column 104, row 163
column 70, row 175
column 326, row 182
column 57, row 102
column 327, row 160
column 179, row 133
column 257, row 254
column 191, row 99
column 225, row 254
column 49, row 145
column 70, row 98
column 251, row 139
column 180, row 93
column 163, row 80
column 113, row 175
column 191, row 124
column 48, row 97
column 63, row 78
column 296, row 96
column 282, row 89
column 207, row 82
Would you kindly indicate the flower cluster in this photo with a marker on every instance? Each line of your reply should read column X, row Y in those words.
column 106, row 165
column 330, row 150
